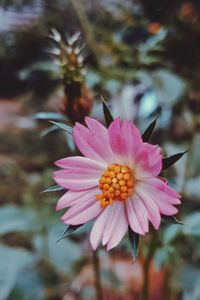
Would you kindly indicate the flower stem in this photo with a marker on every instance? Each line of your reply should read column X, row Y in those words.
column 150, row 254
column 96, row 265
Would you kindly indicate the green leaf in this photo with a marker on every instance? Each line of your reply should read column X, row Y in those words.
column 69, row 230
column 20, row 219
column 54, row 188
column 48, row 130
column 149, row 131
column 107, row 113
column 13, row 262
column 134, row 242
column 192, row 224
column 163, row 255
column 171, row 233
column 49, row 116
column 63, row 126
column 172, row 220
column 169, row 161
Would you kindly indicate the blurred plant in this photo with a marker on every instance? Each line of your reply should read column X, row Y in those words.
column 69, row 55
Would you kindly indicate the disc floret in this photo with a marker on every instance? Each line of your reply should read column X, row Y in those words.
column 116, row 183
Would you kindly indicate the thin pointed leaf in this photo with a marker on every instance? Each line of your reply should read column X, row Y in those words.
column 48, row 130
column 63, row 126
column 134, row 242
column 169, row 161
column 171, row 219
column 54, row 188
column 107, row 113
column 149, row 131
column 70, row 229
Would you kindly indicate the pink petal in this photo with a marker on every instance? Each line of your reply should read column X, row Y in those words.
column 151, row 207
column 132, row 136
column 80, row 162
column 132, row 217
column 120, row 228
column 90, row 144
column 99, row 226
column 149, row 159
column 141, row 212
column 163, row 200
column 124, row 137
column 82, row 211
column 69, row 198
column 98, row 129
column 76, row 180
column 113, row 220
column 162, row 186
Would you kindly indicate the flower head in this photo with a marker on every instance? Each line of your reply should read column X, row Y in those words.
column 116, row 184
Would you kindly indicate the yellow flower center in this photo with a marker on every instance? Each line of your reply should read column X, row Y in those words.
column 116, row 183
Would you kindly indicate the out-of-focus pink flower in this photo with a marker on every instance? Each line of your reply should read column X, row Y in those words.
column 115, row 184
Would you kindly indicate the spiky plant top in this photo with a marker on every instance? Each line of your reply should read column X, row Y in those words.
column 68, row 54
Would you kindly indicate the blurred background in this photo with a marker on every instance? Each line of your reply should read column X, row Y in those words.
column 143, row 57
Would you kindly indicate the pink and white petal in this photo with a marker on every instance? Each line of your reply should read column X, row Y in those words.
column 151, row 206
column 99, row 227
column 163, row 201
column 120, row 229
column 132, row 217
column 90, row 144
column 82, row 212
column 98, row 129
column 162, row 186
column 70, row 198
column 132, row 138
column 124, row 138
column 75, row 180
column 115, row 139
column 149, row 159
column 114, row 218
column 80, row 162
column 162, row 191
column 141, row 212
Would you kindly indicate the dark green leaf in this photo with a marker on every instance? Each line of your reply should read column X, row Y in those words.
column 54, row 188
column 134, row 242
column 63, row 126
column 70, row 229
column 149, row 131
column 107, row 114
column 169, row 161
column 171, row 219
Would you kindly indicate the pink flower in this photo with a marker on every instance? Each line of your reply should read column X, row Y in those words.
column 115, row 184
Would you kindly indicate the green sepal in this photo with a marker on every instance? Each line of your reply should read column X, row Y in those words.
column 69, row 230
column 149, row 131
column 54, row 188
column 169, row 161
column 63, row 126
column 134, row 242
column 172, row 220
column 107, row 113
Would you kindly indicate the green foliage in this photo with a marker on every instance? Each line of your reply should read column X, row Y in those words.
column 149, row 131
column 63, row 126
column 134, row 242
column 54, row 188
column 69, row 230
column 107, row 113
column 170, row 161
column 171, row 219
